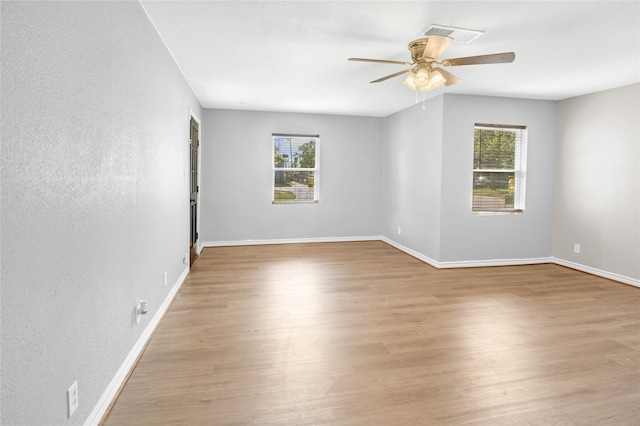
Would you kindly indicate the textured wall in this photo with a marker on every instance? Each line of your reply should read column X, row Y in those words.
column 598, row 186
column 237, row 178
column 94, row 196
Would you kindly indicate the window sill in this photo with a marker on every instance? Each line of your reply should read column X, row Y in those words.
column 295, row 202
column 496, row 212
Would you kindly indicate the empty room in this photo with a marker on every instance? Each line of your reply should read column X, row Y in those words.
column 320, row 213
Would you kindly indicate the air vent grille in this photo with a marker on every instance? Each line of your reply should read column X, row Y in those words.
column 461, row 35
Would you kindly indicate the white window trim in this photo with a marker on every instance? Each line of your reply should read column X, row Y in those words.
column 520, row 170
column 316, row 170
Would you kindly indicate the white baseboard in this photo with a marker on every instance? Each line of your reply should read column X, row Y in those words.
column 411, row 252
column 512, row 262
column 495, row 262
column 594, row 271
column 288, row 241
column 467, row 263
column 123, row 372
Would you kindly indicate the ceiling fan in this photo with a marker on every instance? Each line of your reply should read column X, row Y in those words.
column 425, row 53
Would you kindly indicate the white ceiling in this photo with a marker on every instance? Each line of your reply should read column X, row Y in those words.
column 292, row 55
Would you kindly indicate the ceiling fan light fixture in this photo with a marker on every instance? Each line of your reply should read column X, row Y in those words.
column 422, row 77
column 410, row 81
column 436, row 79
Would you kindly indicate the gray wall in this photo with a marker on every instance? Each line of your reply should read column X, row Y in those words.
column 465, row 236
column 428, row 175
column 412, row 181
column 597, row 202
column 94, row 197
column 237, row 178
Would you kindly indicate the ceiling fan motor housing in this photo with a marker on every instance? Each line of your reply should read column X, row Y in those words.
column 416, row 47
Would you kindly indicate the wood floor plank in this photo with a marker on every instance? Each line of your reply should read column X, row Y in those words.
column 359, row 333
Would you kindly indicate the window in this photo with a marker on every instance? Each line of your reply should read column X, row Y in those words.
column 499, row 168
column 295, row 168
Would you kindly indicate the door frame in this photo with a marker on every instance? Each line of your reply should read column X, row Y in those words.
column 196, row 118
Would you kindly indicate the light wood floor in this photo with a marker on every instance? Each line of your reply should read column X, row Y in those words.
column 363, row 334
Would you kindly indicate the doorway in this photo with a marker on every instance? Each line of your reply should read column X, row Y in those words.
column 194, row 143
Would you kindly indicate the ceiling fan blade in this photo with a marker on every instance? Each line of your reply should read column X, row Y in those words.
column 496, row 58
column 435, row 46
column 381, row 61
column 451, row 79
column 391, row 76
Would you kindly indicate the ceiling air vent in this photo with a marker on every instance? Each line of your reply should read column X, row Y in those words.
column 461, row 35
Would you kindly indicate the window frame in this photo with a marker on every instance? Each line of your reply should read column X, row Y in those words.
column 315, row 170
column 519, row 170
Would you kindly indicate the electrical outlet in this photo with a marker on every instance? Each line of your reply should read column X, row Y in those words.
column 72, row 398
column 165, row 278
column 399, row 231
column 576, row 248
column 184, row 259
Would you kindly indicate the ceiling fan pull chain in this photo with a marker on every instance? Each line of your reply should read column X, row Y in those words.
column 416, row 91
column 424, row 98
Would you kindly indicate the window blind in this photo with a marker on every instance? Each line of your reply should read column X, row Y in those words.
column 499, row 168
